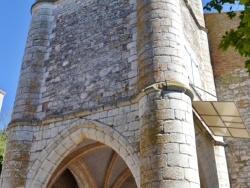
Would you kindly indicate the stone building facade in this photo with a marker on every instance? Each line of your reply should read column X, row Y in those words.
column 105, row 98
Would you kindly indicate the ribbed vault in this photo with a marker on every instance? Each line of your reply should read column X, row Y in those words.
column 92, row 165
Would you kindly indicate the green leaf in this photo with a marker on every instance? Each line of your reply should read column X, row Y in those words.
column 244, row 1
column 231, row 14
column 238, row 38
column 247, row 65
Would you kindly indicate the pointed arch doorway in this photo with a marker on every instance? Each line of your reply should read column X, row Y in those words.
column 92, row 165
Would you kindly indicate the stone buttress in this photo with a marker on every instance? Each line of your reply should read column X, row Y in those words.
column 168, row 154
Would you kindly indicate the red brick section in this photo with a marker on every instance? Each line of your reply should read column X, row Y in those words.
column 232, row 84
column 222, row 62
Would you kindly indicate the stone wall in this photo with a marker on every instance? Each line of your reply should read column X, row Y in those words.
column 51, row 142
column 232, row 84
column 90, row 57
column 196, row 53
column 84, row 56
column 207, row 168
column 117, row 72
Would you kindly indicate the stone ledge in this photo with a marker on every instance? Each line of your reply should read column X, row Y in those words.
column 169, row 86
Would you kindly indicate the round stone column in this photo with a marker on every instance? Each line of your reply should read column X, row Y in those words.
column 167, row 138
column 33, row 65
column 17, row 158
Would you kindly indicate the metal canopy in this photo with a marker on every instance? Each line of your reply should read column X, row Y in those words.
column 222, row 118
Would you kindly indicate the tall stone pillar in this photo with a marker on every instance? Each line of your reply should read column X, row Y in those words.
column 17, row 154
column 221, row 163
column 33, row 66
column 167, row 139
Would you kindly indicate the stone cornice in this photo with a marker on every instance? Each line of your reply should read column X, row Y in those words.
column 157, row 87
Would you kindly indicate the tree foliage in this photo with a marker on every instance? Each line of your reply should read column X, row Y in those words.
column 3, row 139
column 238, row 38
column 4, row 120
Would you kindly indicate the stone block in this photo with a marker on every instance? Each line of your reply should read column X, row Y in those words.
column 179, row 160
column 41, row 144
column 189, row 175
column 173, row 173
column 173, row 126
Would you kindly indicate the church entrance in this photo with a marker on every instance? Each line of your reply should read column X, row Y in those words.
column 92, row 165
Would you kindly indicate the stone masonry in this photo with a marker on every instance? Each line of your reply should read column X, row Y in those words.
column 115, row 74
column 232, row 84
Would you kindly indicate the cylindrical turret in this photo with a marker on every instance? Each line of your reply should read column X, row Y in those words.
column 168, row 151
column 20, row 139
column 36, row 52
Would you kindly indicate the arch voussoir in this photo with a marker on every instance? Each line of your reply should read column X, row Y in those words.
column 69, row 138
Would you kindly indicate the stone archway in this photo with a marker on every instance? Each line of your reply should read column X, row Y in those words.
column 93, row 164
column 48, row 163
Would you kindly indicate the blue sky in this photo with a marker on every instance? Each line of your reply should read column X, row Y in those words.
column 14, row 20
column 226, row 6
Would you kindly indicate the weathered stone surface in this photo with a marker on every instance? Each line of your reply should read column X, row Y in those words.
column 112, row 74
column 232, row 84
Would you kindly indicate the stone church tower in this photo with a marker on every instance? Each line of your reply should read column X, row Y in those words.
column 107, row 96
